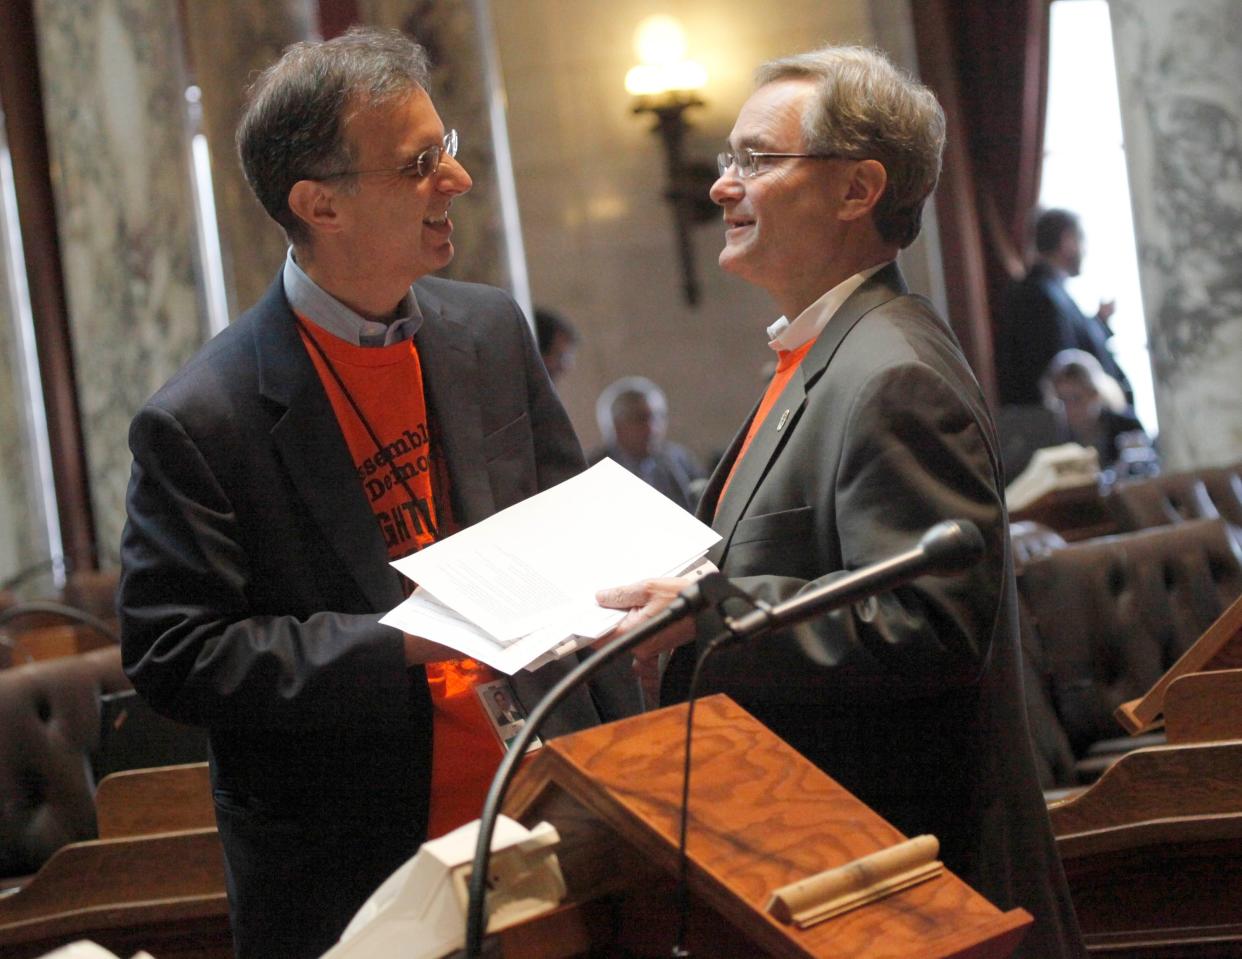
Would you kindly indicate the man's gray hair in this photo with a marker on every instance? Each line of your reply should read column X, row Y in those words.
column 867, row 109
column 294, row 124
column 621, row 394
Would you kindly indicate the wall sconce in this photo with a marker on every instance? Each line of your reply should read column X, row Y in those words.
column 665, row 84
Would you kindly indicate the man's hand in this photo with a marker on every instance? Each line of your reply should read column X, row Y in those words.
column 644, row 600
column 1106, row 311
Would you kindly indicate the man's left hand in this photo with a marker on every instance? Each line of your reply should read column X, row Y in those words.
column 643, row 600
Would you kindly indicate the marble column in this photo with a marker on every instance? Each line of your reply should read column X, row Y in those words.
column 1179, row 65
column 114, row 100
column 252, row 245
column 449, row 30
column 24, row 537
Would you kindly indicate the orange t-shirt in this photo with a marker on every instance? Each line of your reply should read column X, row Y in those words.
column 407, row 488
column 787, row 362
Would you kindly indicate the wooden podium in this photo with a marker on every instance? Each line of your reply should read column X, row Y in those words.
column 761, row 816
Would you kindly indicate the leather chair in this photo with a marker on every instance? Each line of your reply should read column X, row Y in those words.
column 49, row 725
column 1108, row 616
column 1210, row 493
column 1161, row 500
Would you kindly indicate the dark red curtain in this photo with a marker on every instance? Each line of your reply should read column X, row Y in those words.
column 987, row 61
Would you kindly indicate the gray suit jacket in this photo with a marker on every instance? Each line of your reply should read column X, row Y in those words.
column 912, row 700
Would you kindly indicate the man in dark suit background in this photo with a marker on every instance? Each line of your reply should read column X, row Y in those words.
column 1039, row 318
column 872, row 430
column 276, row 475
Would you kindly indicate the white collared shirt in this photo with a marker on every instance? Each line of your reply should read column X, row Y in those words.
column 783, row 335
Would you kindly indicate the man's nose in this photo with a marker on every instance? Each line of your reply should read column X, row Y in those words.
column 452, row 177
column 728, row 187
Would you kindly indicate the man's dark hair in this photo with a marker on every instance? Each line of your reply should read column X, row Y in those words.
column 294, row 124
column 1051, row 226
column 548, row 324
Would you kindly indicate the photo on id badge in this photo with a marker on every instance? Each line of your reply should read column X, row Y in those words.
column 504, row 711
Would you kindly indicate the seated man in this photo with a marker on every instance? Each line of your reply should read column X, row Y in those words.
column 1093, row 413
column 633, row 419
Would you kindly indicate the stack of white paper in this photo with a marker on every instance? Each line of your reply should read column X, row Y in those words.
column 519, row 587
column 1053, row 468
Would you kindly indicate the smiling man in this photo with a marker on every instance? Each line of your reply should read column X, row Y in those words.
column 872, row 430
column 361, row 410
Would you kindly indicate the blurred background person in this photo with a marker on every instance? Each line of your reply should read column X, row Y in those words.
column 1094, row 413
column 632, row 414
column 558, row 342
column 1040, row 318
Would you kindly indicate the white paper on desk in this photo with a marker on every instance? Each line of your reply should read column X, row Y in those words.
column 535, row 567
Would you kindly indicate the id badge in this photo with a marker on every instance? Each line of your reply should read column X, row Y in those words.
column 504, row 712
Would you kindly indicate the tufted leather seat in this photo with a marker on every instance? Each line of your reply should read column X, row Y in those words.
column 1110, row 615
column 49, row 724
column 1176, row 497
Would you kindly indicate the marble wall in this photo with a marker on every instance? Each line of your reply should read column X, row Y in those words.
column 252, row 245
column 24, row 540
column 1179, row 65
column 114, row 100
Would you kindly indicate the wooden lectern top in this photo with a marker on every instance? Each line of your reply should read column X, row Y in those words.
column 761, row 816
column 1220, row 647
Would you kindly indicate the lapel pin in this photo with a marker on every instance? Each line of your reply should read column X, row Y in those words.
column 783, row 420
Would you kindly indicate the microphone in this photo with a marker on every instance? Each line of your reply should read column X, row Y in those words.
column 951, row 546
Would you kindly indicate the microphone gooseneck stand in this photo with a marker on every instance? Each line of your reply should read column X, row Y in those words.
column 690, row 601
column 948, row 547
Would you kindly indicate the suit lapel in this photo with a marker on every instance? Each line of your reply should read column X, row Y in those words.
column 450, row 379
column 309, row 442
column 786, row 412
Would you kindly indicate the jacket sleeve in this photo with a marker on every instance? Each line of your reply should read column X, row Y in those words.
column 196, row 641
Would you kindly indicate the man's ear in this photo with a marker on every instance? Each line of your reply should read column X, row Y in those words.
column 866, row 186
column 314, row 203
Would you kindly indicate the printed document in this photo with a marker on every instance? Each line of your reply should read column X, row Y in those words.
column 520, row 586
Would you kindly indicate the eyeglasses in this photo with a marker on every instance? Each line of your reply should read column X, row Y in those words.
column 750, row 163
column 423, row 165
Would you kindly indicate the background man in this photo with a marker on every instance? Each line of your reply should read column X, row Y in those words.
column 632, row 414
column 872, row 429
column 558, row 342
column 1040, row 318
column 360, row 411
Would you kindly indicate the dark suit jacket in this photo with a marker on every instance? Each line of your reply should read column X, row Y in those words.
column 911, row 700
column 254, row 575
column 1039, row 319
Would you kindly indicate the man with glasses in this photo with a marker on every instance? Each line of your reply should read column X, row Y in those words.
column 872, row 430
column 361, row 410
